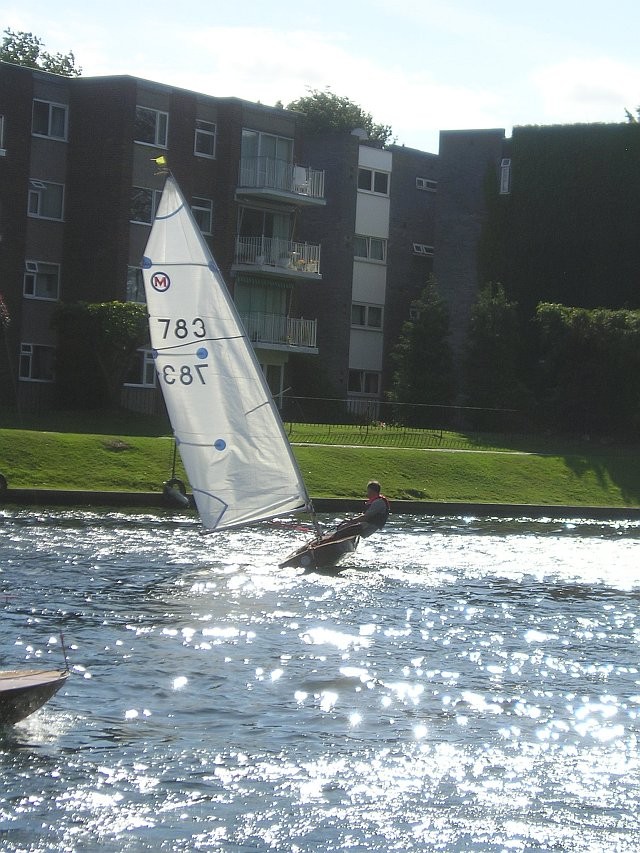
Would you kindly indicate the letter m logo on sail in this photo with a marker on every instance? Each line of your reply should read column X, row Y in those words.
column 160, row 281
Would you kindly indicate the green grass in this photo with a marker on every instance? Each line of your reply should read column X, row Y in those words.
column 52, row 460
column 485, row 477
column 113, row 460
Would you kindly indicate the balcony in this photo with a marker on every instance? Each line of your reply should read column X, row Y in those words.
column 279, row 258
column 278, row 180
column 274, row 331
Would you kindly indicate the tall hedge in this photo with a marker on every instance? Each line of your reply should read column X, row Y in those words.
column 590, row 369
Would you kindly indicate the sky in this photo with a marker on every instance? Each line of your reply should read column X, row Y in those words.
column 420, row 66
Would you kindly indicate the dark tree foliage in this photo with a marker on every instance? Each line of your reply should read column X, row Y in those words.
column 23, row 48
column 325, row 111
column 423, row 361
column 491, row 357
column 567, row 231
column 590, row 369
column 96, row 346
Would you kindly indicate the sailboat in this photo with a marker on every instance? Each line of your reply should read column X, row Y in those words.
column 23, row 691
column 227, row 427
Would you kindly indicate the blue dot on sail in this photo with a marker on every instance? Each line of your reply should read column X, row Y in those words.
column 220, row 444
column 147, row 263
column 203, row 352
column 154, row 353
column 213, row 266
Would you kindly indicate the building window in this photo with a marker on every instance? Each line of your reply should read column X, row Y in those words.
column 151, row 127
column 426, row 184
column 266, row 145
column 505, row 177
column 144, row 203
column 366, row 316
column 370, row 248
column 41, row 280
column 202, row 209
column 364, row 382
column 423, row 249
column 373, row 181
column 36, row 363
column 3, row 150
column 49, row 120
column 205, row 140
column 46, row 200
column 143, row 370
column 135, row 285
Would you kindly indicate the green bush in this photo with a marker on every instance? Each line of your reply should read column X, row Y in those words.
column 590, row 369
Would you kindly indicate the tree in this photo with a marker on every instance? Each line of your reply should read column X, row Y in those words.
column 325, row 111
column 96, row 346
column 492, row 356
column 22, row 48
column 423, row 361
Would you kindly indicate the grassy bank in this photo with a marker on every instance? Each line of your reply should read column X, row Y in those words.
column 570, row 475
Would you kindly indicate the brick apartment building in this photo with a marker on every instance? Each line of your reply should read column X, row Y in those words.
column 324, row 241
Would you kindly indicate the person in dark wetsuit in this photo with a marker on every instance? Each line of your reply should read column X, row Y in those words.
column 374, row 517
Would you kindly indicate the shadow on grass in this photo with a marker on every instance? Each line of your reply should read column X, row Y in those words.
column 618, row 467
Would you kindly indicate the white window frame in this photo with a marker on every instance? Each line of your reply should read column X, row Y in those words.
column 369, row 308
column 36, row 188
column 27, row 351
column 423, row 249
column 426, row 184
column 30, row 280
column 160, row 139
column 52, row 105
column 207, row 209
column 505, row 176
column 3, row 150
column 363, row 374
column 373, row 172
column 208, row 132
column 383, row 243
column 155, row 201
column 148, row 366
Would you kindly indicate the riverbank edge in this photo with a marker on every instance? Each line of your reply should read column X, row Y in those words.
column 157, row 500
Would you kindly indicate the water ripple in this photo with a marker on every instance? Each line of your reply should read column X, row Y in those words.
column 465, row 684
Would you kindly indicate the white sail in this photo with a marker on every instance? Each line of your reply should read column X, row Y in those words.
column 227, row 427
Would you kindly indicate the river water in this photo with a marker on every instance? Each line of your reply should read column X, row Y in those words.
column 464, row 685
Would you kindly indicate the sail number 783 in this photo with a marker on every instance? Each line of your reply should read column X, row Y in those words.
column 185, row 375
column 182, row 328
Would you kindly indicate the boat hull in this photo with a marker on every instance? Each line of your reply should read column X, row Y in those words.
column 323, row 553
column 22, row 692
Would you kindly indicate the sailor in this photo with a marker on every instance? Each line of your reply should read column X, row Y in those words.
column 374, row 517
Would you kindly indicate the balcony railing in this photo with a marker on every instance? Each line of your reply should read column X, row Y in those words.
column 276, row 329
column 266, row 173
column 275, row 252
